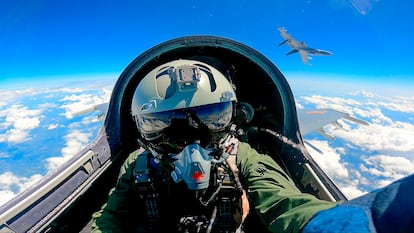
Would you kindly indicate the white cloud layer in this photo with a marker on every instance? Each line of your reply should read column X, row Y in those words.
column 396, row 103
column 335, row 103
column 394, row 138
column 8, row 95
column 388, row 168
column 18, row 121
column 388, row 141
column 75, row 142
column 330, row 162
column 10, row 181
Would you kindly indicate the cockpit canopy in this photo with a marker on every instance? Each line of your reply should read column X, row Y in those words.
column 257, row 82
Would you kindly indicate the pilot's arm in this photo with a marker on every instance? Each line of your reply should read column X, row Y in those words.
column 283, row 208
column 122, row 211
column 280, row 205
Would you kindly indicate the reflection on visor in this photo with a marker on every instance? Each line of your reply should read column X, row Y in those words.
column 215, row 116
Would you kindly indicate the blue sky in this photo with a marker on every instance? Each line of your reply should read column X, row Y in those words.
column 371, row 39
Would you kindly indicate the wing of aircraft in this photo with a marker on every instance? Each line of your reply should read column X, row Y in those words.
column 301, row 47
column 100, row 108
column 64, row 200
column 315, row 120
column 304, row 56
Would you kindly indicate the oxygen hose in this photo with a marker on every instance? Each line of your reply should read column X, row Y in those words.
column 282, row 138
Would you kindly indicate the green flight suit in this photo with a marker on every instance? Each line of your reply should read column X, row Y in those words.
column 279, row 204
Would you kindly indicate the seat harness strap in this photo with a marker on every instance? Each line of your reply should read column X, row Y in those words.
column 228, row 196
column 147, row 192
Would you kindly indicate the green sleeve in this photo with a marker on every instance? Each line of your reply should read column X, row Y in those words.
column 278, row 202
column 115, row 215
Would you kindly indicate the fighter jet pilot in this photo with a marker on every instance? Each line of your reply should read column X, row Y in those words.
column 196, row 175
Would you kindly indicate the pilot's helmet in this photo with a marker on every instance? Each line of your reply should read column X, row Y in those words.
column 186, row 90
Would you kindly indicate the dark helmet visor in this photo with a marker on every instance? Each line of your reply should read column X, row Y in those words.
column 215, row 116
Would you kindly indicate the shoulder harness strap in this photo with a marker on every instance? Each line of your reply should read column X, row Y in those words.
column 233, row 204
column 146, row 190
column 225, row 190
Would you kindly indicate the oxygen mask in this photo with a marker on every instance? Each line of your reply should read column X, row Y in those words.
column 192, row 165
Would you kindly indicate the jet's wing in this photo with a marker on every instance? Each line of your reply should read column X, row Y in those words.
column 315, row 120
column 101, row 108
column 304, row 56
column 292, row 51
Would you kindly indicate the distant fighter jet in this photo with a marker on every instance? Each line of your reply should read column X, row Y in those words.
column 300, row 46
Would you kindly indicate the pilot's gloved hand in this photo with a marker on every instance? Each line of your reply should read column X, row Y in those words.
column 389, row 209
